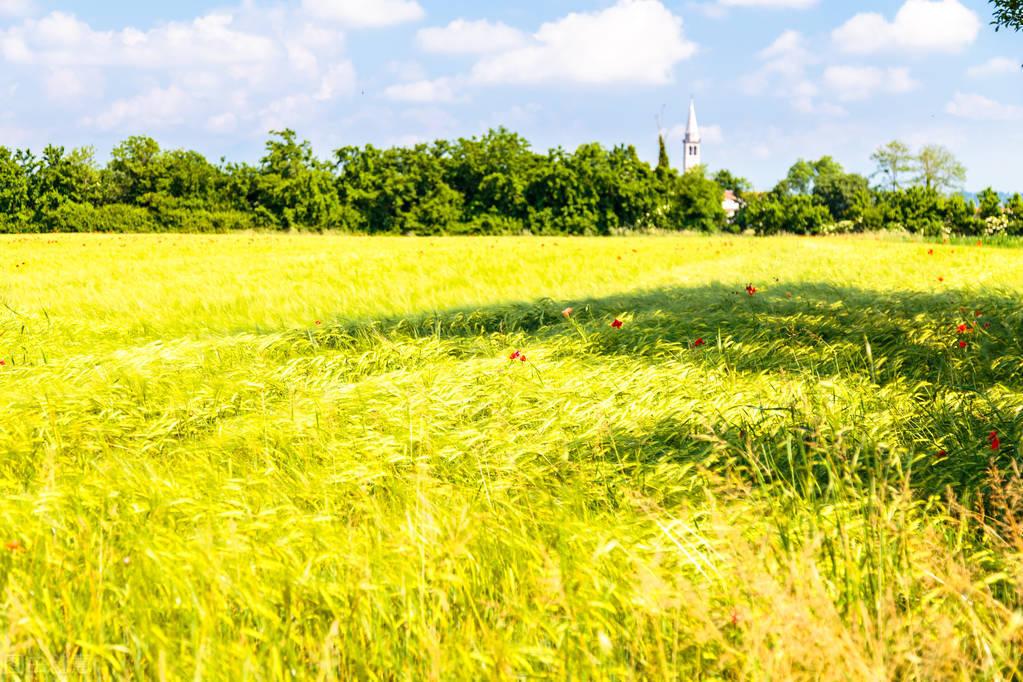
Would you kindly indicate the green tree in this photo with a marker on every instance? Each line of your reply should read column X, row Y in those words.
column 491, row 173
column 846, row 195
column 1014, row 209
column 191, row 180
column 894, row 161
column 960, row 215
column 293, row 186
column 734, row 183
column 1008, row 14
column 777, row 212
column 16, row 170
column 131, row 175
column 800, row 177
column 695, row 203
column 939, row 170
column 663, row 162
column 989, row 203
column 803, row 175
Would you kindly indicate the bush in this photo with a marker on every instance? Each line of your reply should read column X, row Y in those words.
column 69, row 217
column 124, row 218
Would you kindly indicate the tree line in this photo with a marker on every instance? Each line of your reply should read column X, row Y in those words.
column 492, row 184
column 915, row 192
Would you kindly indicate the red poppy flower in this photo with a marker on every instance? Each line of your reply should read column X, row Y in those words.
column 980, row 243
column 987, row 325
column 318, row 323
column 617, row 324
column 515, row 356
column 930, row 252
column 962, row 329
column 699, row 342
column 994, row 441
column 3, row 363
column 14, row 546
column 735, row 618
column 751, row 290
column 567, row 312
column 941, row 279
column 942, row 453
column 963, row 344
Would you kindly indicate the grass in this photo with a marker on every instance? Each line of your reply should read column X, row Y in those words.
column 266, row 457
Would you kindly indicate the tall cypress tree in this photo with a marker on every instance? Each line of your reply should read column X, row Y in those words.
column 663, row 162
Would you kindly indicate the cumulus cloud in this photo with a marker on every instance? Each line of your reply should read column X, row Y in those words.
column 61, row 39
column 15, row 8
column 470, row 37
column 220, row 72
column 338, row 80
column 365, row 13
column 980, row 108
column 996, row 66
column 783, row 71
column 852, row 83
column 771, row 4
column 422, row 91
column 918, row 26
column 788, row 54
column 70, row 85
column 631, row 42
column 156, row 108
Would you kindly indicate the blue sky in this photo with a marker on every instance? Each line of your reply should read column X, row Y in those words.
column 774, row 80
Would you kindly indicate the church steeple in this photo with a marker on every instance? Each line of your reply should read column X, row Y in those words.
column 692, row 140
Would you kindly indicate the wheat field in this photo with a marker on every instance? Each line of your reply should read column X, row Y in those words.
column 269, row 457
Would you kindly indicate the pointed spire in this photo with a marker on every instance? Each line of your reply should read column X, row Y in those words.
column 693, row 128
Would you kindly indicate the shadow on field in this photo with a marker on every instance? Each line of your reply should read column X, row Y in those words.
column 912, row 336
column 809, row 330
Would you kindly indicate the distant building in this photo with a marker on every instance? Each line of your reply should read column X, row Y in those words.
column 731, row 204
column 694, row 158
column 692, row 141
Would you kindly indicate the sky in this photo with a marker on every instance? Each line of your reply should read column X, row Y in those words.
column 773, row 80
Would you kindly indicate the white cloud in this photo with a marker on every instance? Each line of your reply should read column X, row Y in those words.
column 996, row 66
column 339, row 80
column 365, row 13
column 69, row 85
column 980, row 108
column 633, row 42
column 15, row 8
column 918, row 26
column 852, row 83
column 470, row 37
column 422, row 91
column 222, row 123
column 787, row 55
column 771, row 4
column 219, row 72
column 783, row 72
column 60, row 39
column 156, row 108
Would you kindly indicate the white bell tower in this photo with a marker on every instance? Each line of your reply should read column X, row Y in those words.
column 692, row 141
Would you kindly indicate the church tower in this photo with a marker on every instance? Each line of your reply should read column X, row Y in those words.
column 692, row 141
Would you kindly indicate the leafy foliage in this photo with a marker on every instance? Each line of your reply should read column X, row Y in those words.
column 492, row 184
column 1008, row 14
